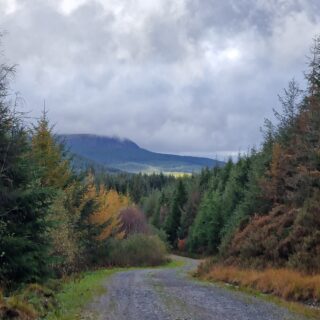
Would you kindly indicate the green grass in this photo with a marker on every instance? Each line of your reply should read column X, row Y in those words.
column 76, row 294
column 174, row 264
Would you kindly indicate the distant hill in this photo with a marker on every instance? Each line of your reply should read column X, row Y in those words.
column 125, row 155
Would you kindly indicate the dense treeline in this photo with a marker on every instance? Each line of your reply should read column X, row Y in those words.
column 136, row 185
column 262, row 210
column 54, row 221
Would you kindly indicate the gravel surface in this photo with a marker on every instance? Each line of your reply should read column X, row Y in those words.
column 171, row 294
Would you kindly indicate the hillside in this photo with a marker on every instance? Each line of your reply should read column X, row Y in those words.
column 127, row 156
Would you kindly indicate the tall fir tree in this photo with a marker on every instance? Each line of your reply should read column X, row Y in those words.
column 173, row 220
column 24, row 203
column 49, row 154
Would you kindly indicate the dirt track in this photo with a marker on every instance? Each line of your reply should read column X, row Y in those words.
column 171, row 294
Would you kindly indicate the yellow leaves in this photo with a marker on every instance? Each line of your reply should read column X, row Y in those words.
column 107, row 212
column 110, row 204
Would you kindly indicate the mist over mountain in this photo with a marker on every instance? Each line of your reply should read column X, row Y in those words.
column 126, row 155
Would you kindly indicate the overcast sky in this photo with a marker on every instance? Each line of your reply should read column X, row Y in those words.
column 182, row 76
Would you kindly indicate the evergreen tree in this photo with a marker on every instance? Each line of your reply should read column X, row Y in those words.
column 252, row 200
column 191, row 210
column 49, row 155
column 173, row 220
column 205, row 232
column 150, row 203
column 55, row 173
column 157, row 217
column 235, row 186
column 24, row 204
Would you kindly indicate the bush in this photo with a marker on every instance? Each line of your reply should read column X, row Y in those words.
column 137, row 250
column 162, row 235
column 133, row 221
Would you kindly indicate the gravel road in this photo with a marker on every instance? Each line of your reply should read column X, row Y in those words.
column 171, row 294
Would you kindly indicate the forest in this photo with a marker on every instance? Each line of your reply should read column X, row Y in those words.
column 259, row 211
column 263, row 209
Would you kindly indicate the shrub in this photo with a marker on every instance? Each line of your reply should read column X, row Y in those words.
column 163, row 237
column 133, row 221
column 137, row 250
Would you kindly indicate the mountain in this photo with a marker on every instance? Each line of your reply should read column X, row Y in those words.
column 125, row 155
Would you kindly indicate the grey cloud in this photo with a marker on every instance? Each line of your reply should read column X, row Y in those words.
column 185, row 76
column 229, row 15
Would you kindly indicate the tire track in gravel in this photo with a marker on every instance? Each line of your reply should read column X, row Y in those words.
column 170, row 294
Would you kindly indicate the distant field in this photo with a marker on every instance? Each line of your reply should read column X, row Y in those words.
column 178, row 174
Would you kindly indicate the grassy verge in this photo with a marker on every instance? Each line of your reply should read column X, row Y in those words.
column 294, row 307
column 287, row 288
column 76, row 294
column 174, row 263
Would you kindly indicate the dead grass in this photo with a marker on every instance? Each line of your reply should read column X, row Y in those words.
column 15, row 308
column 284, row 283
column 34, row 301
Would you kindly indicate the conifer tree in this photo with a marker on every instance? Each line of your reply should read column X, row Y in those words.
column 157, row 218
column 49, row 155
column 107, row 215
column 190, row 212
column 205, row 233
column 24, row 204
column 174, row 218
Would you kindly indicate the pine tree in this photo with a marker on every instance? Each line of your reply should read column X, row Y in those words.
column 49, row 155
column 313, row 76
column 205, row 232
column 156, row 218
column 24, row 204
column 190, row 212
column 173, row 220
column 55, row 173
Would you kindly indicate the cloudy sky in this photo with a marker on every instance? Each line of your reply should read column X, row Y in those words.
column 183, row 76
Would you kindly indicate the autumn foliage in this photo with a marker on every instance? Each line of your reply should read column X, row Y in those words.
column 182, row 244
column 285, row 283
column 133, row 221
column 109, row 204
